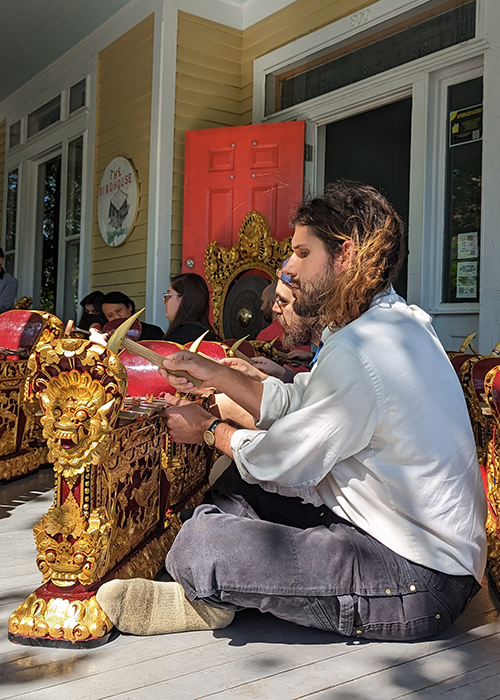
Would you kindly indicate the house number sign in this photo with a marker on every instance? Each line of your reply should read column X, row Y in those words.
column 117, row 202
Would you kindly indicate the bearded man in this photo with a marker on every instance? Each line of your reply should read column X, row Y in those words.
column 298, row 332
column 378, row 428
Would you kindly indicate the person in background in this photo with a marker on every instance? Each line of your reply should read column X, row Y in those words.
column 298, row 332
column 92, row 312
column 119, row 305
column 273, row 330
column 186, row 307
column 267, row 299
column 8, row 287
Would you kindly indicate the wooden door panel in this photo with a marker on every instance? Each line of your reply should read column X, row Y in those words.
column 219, row 217
column 229, row 172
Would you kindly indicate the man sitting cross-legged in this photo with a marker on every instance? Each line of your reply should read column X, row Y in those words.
column 379, row 428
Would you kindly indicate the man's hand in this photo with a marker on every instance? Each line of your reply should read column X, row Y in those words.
column 244, row 367
column 200, row 367
column 187, row 422
column 173, row 401
column 270, row 368
column 245, row 390
column 303, row 356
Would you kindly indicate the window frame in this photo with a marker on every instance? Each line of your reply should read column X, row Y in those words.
column 421, row 79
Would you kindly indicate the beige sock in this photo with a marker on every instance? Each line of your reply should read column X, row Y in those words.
column 143, row 607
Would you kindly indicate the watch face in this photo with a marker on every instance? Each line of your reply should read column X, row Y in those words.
column 209, row 437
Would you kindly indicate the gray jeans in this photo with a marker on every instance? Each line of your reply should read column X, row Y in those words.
column 248, row 548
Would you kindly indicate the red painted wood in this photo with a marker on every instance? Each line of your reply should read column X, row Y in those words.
column 210, row 348
column 143, row 377
column 20, row 329
column 233, row 170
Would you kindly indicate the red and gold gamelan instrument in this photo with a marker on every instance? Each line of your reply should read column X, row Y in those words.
column 480, row 379
column 491, row 476
column 120, row 483
column 22, row 449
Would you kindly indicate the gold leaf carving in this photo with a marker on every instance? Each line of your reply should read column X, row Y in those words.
column 72, row 548
column 254, row 250
column 58, row 618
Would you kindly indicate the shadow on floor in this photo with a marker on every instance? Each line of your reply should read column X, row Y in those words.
column 25, row 489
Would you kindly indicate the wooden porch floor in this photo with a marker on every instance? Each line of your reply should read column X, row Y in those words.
column 258, row 657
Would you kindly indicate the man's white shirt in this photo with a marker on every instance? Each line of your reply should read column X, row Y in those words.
column 380, row 429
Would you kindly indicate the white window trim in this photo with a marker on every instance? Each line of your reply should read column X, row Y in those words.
column 436, row 152
column 414, row 79
column 344, row 31
column 14, row 250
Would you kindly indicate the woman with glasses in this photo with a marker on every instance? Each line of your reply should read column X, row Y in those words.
column 186, row 307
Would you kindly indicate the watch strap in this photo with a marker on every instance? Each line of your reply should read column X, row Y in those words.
column 211, row 429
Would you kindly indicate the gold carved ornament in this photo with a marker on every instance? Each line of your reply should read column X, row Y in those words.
column 81, row 387
column 72, row 548
column 493, row 479
column 60, row 619
column 20, row 449
column 23, row 303
column 254, row 250
column 481, row 424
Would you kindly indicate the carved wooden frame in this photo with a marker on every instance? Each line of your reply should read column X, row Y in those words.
column 254, row 250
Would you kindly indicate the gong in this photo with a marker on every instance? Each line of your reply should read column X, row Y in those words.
column 242, row 315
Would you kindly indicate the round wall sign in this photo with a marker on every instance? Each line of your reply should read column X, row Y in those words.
column 118, row 198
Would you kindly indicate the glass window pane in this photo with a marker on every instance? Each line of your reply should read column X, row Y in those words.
column 12, row 189
column 463, row 192
column 77, row 96
column 375, row 53
column 74, row 190
column 51, row 192
column 15, row 134
column 44, row 116
column 71, row 279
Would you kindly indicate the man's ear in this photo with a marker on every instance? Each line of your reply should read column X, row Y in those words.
column 346, row 253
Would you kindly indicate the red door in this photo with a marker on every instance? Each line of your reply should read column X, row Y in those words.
column 231, row 171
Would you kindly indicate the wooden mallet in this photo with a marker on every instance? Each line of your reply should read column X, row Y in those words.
column 119, row 339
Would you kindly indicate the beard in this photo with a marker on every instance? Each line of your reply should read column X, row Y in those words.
column 312, row 293
column 302, row 332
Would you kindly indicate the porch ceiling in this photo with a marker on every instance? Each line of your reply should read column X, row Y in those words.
column 34, row 33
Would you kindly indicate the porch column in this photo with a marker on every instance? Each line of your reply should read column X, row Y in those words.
column 489, row 316
column 161, row 162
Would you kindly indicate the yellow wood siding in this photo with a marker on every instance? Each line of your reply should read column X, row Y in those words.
column 3, row 128
column 125, row 70
column 207, row 95
column 298, row 19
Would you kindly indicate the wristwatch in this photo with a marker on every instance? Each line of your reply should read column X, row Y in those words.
column 209, row 434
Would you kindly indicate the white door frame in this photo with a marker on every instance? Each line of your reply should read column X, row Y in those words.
column 425, row 80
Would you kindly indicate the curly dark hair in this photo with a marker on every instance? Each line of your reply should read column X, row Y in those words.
column 355, row 212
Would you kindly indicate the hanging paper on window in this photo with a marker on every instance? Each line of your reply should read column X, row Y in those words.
column 466, row 125
column 466, row 280
column 467, row 246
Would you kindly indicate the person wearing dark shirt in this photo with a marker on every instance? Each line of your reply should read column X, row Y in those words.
column 8, row 287
column 186, row 307
column 119, row 305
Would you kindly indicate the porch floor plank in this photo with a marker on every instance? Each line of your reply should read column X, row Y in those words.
column 256, row 658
